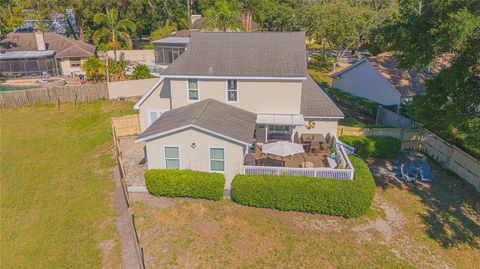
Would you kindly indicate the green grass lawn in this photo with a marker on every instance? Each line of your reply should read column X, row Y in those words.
column 56, row 184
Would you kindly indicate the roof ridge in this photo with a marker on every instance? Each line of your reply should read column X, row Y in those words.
column 202, row 110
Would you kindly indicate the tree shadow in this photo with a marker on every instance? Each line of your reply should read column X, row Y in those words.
column 452, row 205
column 453, row 209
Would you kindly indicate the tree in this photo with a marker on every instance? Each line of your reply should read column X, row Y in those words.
column 141, row 71
column 223, row 15
column 113, row 30
column 280, row 16
column 162, row 32
column 117, row 70
column 425, row 30
column 339, row 25
column 173, row 12
column 94, row 68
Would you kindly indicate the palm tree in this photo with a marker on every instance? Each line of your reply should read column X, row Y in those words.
column 94, row 68
column 113, row 30
column 223, row 15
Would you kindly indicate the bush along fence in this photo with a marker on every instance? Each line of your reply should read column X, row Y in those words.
column 55, row 95
column 118, row 156
column 314, row 195
column 384, row 147
column 448, row 155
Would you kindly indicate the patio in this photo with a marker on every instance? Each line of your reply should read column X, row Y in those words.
column 314, row 162
column 297, row 161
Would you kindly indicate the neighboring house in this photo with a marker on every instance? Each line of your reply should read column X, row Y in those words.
column 230, row 91
column 68, row 56
column 380, row 79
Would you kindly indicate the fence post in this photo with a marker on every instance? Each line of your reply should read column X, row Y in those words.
column 378, row 114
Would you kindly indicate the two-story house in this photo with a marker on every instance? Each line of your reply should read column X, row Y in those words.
column 227, row 92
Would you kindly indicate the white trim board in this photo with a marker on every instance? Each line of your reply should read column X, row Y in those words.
column 153, row 136
column 232, row 77
column 148, row 93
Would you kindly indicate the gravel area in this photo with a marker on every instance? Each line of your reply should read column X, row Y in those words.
column 133, row 157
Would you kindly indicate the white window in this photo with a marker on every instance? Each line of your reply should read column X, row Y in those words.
column 172, row 158
column 278, row 129
column 75, row 62
column 193, row 90
column 232, row 90
column 154, row 114
column 217, row 159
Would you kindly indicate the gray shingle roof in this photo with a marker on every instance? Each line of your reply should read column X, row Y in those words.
column 242, row 54
column 316, row 103
column 215, row 116
column 64, row 47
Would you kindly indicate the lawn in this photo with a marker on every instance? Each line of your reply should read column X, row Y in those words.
column 408, row 226
column 56, row 184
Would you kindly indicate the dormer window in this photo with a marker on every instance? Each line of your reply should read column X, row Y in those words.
column 232, row 90
column 192, row 90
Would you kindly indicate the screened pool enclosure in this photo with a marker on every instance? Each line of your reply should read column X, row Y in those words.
column 28, row 63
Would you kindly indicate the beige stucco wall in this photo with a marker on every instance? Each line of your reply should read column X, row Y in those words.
column 196, row 158
column 365, row 81
column 257, row 96
column 65, row 67
column 159, row 99
column 129, row 88
column 146, row 57
column 321, row 127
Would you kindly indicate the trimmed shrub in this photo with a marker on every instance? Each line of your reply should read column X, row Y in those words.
column 347, row 198
column 374, row 146
column 185, row 183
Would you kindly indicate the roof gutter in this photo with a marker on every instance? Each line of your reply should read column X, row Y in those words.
column 232, row 77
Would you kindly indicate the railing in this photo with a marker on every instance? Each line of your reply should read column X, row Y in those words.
column 293, row 171
column 321, row 172
column 347, row 147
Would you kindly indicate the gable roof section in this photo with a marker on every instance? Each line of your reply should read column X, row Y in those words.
column 242, row 55
column 316, row 103
column 64, row 47
column 211, row 116
column 406, row 82
column 148, row 93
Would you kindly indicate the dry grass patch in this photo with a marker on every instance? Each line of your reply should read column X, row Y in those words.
column 199, row 233
column 425, row 226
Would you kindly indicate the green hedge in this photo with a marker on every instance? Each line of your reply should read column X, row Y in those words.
column 185, row 183
column 347, row 198
column 374, row 146
column 362, row 105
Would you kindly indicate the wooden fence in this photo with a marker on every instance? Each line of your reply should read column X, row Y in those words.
column 453, row 158
column 449, row 156
column 118, row 154
column 126, row 125
column 55, row 95
column 387, row 117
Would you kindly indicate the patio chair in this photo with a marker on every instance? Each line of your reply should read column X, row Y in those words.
column 315, row 146
column 328, row 139
column 250, row 159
